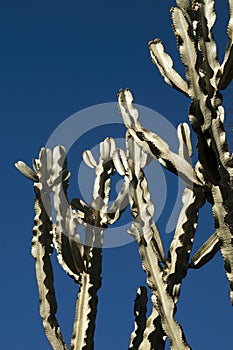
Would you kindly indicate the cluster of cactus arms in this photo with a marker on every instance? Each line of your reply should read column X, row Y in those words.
column 210, row 179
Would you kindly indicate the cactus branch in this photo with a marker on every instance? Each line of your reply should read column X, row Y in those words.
column 165, row 65
column 206, row 252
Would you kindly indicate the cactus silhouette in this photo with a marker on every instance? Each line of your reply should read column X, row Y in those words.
column 209, row 180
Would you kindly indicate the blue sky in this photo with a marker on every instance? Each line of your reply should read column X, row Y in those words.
column 56, row 59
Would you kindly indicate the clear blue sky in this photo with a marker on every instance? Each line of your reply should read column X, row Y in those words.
column 57, row 58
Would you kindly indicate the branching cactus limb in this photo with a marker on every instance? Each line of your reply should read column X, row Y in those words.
column 94, row 226
column 81, row 262
column 206, row 252
column 152, row 144
column 66, row 239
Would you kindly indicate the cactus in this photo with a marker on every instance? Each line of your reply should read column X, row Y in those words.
column 210, row 179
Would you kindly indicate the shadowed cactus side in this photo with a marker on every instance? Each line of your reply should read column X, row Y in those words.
column 210, row 179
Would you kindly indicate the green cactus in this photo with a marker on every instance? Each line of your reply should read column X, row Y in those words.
column 210, row 179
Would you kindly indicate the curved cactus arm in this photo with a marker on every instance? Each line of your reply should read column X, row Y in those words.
column 165, row 66
column 227, row 65
column 89, row 159
column 159, row 149
column 177, row 262
column 66, row 239
column 206, row 252
column 224, row 229
column 140, row 309
column 69, row 247
column 151, row 143
column 120, row 204
column 26, row 171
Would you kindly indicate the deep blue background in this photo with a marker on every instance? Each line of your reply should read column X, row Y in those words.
column 57, row 58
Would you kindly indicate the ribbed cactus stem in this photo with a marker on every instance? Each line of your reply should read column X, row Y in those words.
column 85, row 314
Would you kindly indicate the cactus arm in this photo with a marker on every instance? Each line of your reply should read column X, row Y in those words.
column 41, row 251
column 206, row 252
column 140, row 318
column 210, row 66
column 185, row 146
column 66, row 238
column 165, row 66
column 187, row 43
column 119, row 205
column 89, row 159
column 227, row 65
column 220, row 144
column 147, row 208
column 224, row 230
column 159, row 149
column 177, row 262
column 128, row 112
column 186, row 48
column 26, row 171
column 69, row 248
column 151, row 143
column 94, row 225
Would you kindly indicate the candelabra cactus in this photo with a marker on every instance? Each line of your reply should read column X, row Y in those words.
column 210, row 179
